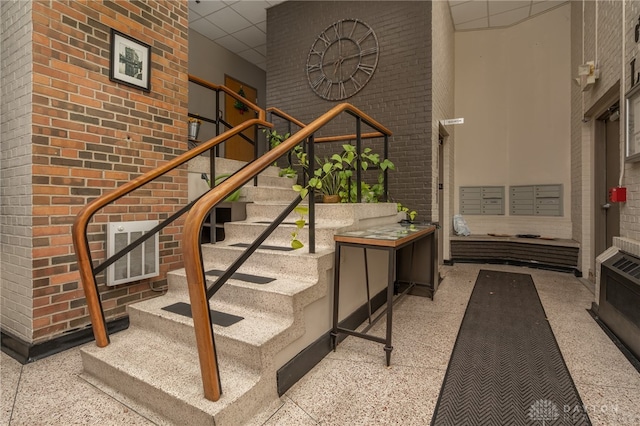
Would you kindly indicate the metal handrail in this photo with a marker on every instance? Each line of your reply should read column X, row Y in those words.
column 193, row 262
column 79, row 232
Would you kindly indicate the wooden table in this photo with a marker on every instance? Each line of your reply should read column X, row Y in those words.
column 421, row 238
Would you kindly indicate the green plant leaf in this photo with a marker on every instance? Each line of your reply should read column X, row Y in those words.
column 304, row 192
column 301, row 210
column 327, row 167
column 297, row 188
column 296, row 244
column 300, row 223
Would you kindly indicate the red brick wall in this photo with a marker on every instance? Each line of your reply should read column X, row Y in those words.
column 90, row 135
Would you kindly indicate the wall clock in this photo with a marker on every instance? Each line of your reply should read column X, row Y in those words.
column 342, row 59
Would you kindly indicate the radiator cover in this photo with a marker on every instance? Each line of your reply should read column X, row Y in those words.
column 619, row 304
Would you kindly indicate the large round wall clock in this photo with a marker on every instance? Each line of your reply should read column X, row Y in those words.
column 342, row 59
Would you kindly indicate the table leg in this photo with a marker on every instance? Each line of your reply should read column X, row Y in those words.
column 390, row 290
column 336, row 296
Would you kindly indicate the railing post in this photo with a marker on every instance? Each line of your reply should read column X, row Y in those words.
column 358, row 164
column 312, row 200
column 386, row 155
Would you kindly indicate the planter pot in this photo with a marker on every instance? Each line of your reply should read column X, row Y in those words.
column 330, row 198
column 194, row 128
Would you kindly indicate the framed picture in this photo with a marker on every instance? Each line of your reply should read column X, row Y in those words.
column 130, row 61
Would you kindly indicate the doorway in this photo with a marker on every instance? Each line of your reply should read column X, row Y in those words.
column 607, row 175
column 238, row 148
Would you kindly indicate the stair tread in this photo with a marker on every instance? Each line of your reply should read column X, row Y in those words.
column 256, row 327
column 170, row 366
column 281, row 285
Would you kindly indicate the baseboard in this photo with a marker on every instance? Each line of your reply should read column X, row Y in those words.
column 633, row 360
column 25, row 352
column 528, row 264
column 302, row 363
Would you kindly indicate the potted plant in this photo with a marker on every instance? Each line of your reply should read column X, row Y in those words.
column 194, row 127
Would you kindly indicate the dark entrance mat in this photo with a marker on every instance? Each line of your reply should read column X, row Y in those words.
column 218, row 318
column 506, row 367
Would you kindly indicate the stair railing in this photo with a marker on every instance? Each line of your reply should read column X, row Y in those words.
column 199, row 294
column 358, row 137
column 86, row 269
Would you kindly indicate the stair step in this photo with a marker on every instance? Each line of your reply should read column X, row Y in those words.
column 164, row 375
column 241, row 232
column 278, row 296
column 264, row 263
column 264, row 193
column 249, row 342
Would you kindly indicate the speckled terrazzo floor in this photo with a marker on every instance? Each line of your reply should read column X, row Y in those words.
column 353, row 386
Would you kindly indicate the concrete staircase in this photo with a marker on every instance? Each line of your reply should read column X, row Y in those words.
column 280, row 296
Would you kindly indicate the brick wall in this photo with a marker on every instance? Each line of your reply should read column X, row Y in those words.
column 443, row 60
column 91, row 135
column 597, row 36
column 15, row 168
column 398, row 95
column 630, row 211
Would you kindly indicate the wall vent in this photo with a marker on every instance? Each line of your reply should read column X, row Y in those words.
column 141, row 262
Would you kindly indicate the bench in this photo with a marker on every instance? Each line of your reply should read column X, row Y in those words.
column 546, row 253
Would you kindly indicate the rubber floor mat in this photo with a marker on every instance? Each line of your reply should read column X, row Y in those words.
column 506, row 367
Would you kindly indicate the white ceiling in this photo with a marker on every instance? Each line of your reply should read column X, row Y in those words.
column 241, row 26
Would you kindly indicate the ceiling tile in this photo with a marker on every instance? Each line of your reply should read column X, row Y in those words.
column 231, row 43
column 252, row 56
column 251, row 36
column 253, row 11
column 261, row 49
column 541, row 6
column 474, row 25
column 207, row 29
column 509, row 18
column 469, row 11
column 496, row 7
column 206, row 7
column 229, row 20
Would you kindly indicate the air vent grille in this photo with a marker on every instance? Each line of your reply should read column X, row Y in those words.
column 142, row 262
column 625, row 264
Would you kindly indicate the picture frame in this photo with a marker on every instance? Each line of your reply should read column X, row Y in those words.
column 130, row 61
column 632, row 123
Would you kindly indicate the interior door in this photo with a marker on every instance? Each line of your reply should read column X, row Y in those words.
column 607, row 176
column 238, row 148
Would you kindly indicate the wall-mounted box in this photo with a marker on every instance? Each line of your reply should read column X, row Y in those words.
column 482, row 200
column 535, row 200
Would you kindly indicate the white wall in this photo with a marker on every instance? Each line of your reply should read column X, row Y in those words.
column 512, row 86
column 16, row 257
column 212, row 62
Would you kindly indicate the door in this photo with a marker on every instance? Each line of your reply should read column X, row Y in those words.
column 238, row 148
column 607, row 145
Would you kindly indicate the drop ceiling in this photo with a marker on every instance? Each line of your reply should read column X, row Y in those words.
column 241, row 26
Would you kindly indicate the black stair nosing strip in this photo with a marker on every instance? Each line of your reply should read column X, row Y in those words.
column 222, row 319
column 254, row 279
column 264, row 247
column 266, row 222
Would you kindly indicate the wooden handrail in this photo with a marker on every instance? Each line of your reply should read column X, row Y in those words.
column 193, row 263
column 79, row 231
column 324, row 139
column 204, row 83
